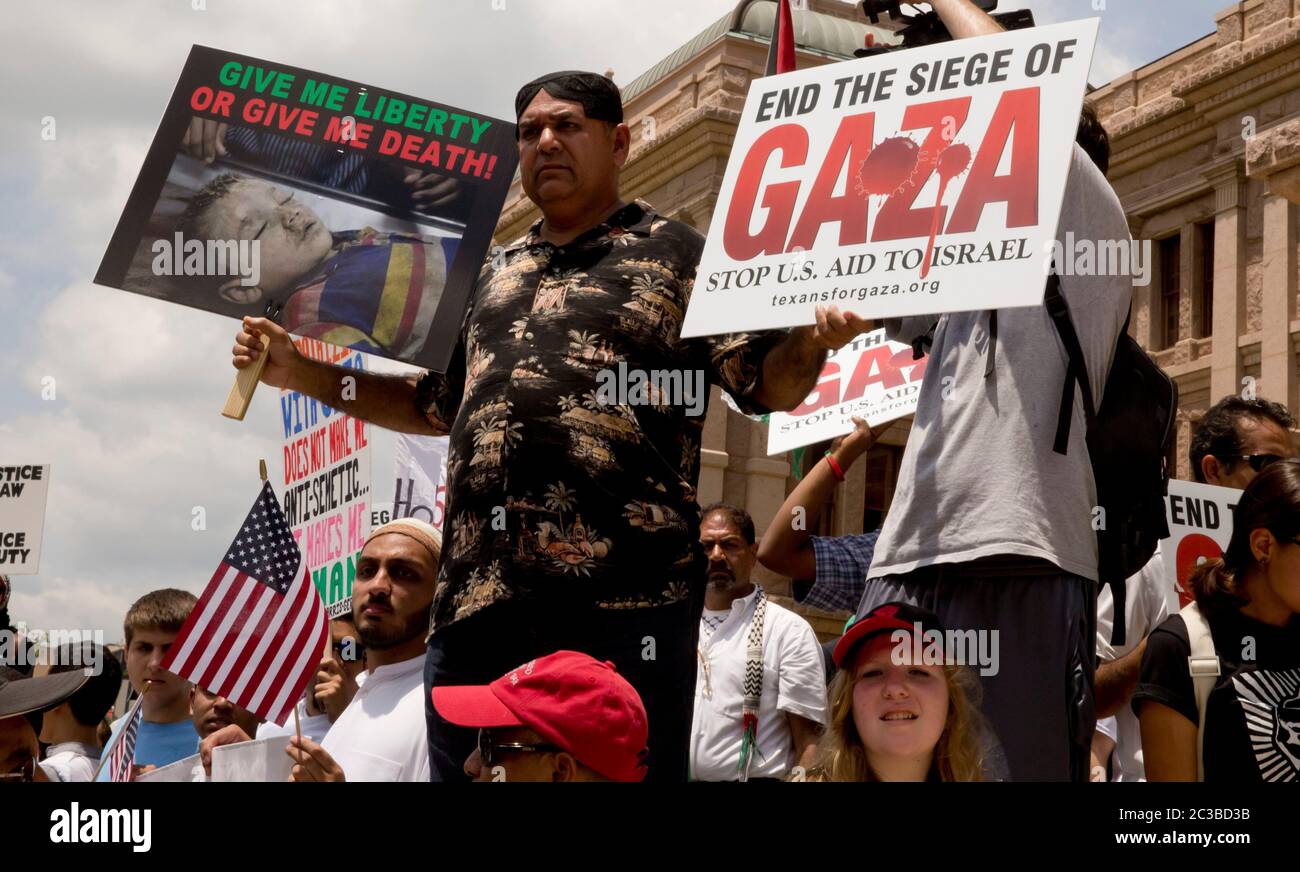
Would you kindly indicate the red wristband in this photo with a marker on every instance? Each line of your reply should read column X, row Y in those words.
column 835, row 467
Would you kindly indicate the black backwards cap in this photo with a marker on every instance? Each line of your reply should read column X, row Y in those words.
column 598, row 94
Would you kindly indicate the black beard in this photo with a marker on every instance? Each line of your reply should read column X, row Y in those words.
column 373, row 637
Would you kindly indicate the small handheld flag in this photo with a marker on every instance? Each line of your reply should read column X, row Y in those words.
column 256, row 635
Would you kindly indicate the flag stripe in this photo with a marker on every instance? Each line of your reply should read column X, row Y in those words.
column 306, row 666
column 263, row 611
column 181, row 648
column 206, row 667
column 287, row 630
column 288, row 654
column 262, row 654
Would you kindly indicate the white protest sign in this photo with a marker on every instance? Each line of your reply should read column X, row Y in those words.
column 259, row 760
column 327, row 481
column 420, row 478
column 186, row 770
column 871, row 378
column 23, row 490
column 1200, row 526
column 914, row 182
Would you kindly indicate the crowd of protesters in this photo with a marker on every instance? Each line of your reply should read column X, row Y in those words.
column 541, row 649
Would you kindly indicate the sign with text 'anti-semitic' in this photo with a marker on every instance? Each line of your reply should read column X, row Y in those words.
column 915, row 182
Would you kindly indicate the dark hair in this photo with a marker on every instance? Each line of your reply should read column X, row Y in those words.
column 1270, row 502
column 93, row 700
column 598, row 94
column 164, row 610
column 203, row 198
column 739, row 517
column 1217, row 434
column 1093, row 138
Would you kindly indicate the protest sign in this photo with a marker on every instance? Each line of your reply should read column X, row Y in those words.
column 260, row 760
column 23, row 489
column 186, row 770
column 352, row 214
column 1200, row 526
column 870, row 378
column 380, row 514
column 327, row 482
column 913, row 182
column 420, row 478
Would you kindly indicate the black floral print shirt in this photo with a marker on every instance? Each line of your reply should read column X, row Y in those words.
column 565, row 478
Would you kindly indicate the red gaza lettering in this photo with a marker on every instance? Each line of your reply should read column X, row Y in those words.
column 792, row 141
column 852, row 143
column 827, row 392
column 897, row 219
column 1019, row 188
column 874, row 366
column 1192, row 551
column 903, row 359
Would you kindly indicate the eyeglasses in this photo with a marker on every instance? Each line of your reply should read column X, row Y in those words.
column 26, row 773
column 1258, row 461
column 489, row 750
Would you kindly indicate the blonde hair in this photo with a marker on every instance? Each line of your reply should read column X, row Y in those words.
column 959, row 755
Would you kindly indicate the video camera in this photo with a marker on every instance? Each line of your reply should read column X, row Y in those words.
column 926, row 28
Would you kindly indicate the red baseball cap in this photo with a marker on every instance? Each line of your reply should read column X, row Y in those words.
column 571, row 700
column 882, row 619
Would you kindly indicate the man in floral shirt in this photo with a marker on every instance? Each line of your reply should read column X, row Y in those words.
column 571, row 508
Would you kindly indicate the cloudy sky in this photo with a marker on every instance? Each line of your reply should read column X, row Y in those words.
column 133, row 431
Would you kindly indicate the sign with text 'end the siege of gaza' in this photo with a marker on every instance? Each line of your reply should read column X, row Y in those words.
column 919, row 181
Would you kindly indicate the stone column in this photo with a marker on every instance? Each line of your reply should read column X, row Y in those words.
column 1229, row 277
column 1277, row 363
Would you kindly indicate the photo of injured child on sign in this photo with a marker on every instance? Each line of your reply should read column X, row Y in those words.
column 347, row 214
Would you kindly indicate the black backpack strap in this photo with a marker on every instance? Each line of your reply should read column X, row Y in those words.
column 923, row 342
column 1076, row 370
column 990, row 356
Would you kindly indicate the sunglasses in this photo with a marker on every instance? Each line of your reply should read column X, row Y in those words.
column 1258, row 461
column 489, row 750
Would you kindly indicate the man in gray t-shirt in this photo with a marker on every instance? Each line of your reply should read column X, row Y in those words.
column 989, row 528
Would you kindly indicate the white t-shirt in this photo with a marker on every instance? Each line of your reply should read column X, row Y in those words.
column 794, row 681
column 71, row 761
column 1146, row 605
column 381, row 735
column 979, row 477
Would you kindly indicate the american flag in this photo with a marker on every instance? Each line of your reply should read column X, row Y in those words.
column 257, row 633
column 119, row 756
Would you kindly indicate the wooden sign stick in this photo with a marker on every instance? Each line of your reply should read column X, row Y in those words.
column 241, row 392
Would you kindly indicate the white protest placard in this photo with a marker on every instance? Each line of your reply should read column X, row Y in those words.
column 914, row 182
column 420, row 478
column 871, row 378
column 23, row 489
column 327, row 481
column 1200, row 526
column 186, row 770
column 260, row 760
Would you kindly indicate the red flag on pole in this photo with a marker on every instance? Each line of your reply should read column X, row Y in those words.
column 780, row 56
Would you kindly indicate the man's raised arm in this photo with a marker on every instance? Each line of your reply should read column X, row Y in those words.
column 963, row 18
column 388, row 401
